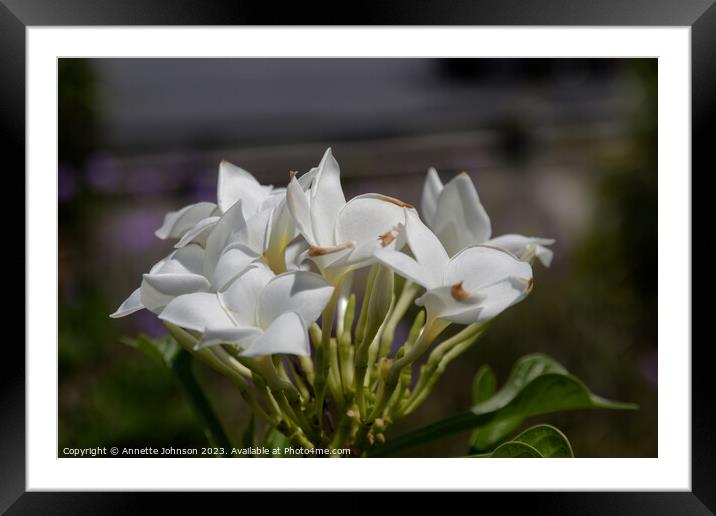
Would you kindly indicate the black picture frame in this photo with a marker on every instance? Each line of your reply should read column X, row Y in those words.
column 17, row 15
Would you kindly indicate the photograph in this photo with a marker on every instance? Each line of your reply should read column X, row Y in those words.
column 308, row 257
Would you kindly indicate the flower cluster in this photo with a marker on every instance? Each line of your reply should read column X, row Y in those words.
column 251, row 274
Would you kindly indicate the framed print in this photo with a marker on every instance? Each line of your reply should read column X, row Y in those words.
column 437, row 240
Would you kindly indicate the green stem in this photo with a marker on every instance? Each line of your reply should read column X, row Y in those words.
column 432, row 329
column 345, row 350
column 334, row 374
column 433, row 373
column 322, row 351
column 407, row 295
column 442, row 355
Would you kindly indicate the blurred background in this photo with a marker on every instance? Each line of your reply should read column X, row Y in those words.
column 562, row 148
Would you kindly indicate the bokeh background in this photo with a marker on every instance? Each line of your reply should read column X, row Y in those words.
column 563, row 148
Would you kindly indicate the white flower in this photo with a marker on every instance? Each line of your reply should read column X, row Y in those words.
column 339, row 235
column 475, row 285
column 525, row 248
column 459, row 220
column 196, row 268
column 262, row 313
column 220, row 245
column 193, row 223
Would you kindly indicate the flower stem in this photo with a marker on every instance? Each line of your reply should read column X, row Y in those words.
column 432, row 329
column 438, row 360
column 407, row 295
column 322, row 351
column 334, row 374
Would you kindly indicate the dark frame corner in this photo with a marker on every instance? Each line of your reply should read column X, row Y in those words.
column 700, row 15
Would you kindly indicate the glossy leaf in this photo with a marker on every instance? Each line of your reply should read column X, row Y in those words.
column 515, row 450
column 541, row 441
column 484, row 385
column 536, row 385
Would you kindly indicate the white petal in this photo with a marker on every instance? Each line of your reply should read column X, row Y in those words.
column 299, row 206
column 429, row 201
column 460, row 219
column 255, row 233
column 176, row 223
column 199, row 233
column 187, row 260
column 306, row 179
column 241, row 336
column 281, row 231
column 177, row 284
column 440, row 303
column 426, row 248
column 152, row 299
column 287, row 334
column 236, row 184
column 500, row 296
column 276, row 197
column 184, row 267
column 130, row 305
column 366, row 218
column 296, row 258
column 233, row 261
column 241, row 297
column 544, row 255
column 196, row 312
column 327, row 199
column 525, row 248
column 406, row 266
column 231, row 222
column 305, row 293
column 479, row 267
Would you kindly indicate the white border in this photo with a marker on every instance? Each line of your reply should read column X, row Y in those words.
column 670, row 471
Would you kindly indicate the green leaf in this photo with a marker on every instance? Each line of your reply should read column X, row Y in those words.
column 549, row 441
column 536, row 385
column 274, row 439
column 515, row 450
column 542, row 441
column 163, row 351
column 166, row 352
column 484, row 385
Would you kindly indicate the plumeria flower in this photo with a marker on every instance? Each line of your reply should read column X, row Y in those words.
column 475, row 285
column 456, row 215
column 260, row 312
column 196, row 268
column 193, row 223
column 339, row 236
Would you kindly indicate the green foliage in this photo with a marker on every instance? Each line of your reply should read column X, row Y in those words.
column 274, row 439
column 484, row 385
column 536, row 385
column 541, row 441
column 166, row 352
column 162, row 351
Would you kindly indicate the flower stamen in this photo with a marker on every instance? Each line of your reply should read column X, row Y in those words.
column 314, row 251
column 388, row 237
column 458, row 292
